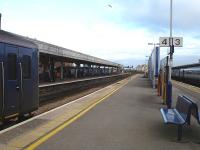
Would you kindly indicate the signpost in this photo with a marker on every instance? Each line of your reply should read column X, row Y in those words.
column 176, row 41
column 170, row 42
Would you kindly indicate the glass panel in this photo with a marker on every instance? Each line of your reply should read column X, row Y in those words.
column 26, row 66
column 12, row 66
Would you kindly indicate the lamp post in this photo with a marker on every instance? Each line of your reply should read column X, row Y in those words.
column 154, row 44
column 171, row 2
column 169, row 63
column 171, row 39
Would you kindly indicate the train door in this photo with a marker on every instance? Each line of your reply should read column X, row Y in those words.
column 26, row 79
column 1, row 81
column 12, row 87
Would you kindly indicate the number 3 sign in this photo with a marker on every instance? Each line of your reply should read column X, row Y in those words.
column 165, row 41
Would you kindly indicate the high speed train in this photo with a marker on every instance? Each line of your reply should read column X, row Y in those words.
column 187, row 75
column 18, row 76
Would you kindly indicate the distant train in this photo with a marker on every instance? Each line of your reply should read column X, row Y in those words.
column 18, row 76
column 187, row 75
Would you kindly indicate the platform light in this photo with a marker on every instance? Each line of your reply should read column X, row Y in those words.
column 154, row 44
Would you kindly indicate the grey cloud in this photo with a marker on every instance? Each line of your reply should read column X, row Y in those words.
column 154, row 14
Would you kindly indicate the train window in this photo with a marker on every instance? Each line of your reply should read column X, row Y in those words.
column 12, row 66
column 26, row 66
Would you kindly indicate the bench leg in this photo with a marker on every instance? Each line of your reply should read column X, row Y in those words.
column 179, row 136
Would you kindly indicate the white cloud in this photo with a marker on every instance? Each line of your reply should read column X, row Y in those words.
column 120, row 33
column 101, row 39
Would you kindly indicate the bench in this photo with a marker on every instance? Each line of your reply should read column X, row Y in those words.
column 179, row 115
column 194, row 112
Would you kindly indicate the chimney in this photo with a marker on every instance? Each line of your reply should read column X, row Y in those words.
column 0, row 21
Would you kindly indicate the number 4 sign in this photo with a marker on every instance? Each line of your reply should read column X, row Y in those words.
column 165, row 41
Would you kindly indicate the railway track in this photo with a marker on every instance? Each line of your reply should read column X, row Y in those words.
column 54, row 90
column 56, row 94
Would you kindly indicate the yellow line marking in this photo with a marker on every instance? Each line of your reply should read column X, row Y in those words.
column 187, row 86
column 65, row 124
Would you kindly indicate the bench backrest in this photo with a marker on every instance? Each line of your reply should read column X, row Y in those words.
column 184, row 106
column 194, row 110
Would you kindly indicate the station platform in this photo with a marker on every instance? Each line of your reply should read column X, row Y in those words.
column 122, row 116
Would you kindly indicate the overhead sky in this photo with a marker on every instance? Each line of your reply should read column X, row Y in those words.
column 116, row 30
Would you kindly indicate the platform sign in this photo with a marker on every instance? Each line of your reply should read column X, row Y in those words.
column 178, row 41
column 165, row 41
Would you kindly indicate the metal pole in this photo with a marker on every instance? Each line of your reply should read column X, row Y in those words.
column 171, row 2
column 171, row 39
column 169, row 66
column 0, row 21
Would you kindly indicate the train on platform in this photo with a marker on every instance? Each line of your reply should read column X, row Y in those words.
column 23, row 67
column 18, row 76
column 187, row 75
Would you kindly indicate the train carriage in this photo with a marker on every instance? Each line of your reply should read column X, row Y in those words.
column 18, row 76
column 189, row 75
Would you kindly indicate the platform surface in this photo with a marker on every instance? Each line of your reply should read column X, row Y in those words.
column 128, row 120
column 125, row 116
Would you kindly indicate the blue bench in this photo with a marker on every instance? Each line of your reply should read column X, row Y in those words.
column 194, row 112
column 179, row 115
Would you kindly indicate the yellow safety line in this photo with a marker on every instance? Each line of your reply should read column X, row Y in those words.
column 187, row 86
column 65, row 124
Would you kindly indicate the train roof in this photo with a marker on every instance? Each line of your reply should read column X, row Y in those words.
column 11, row 38
column 187, row 66
column 192, row 68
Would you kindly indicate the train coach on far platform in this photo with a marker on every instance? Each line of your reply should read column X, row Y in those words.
column 187, row 75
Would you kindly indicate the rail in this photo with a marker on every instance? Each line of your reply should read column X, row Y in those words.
column 55, row 90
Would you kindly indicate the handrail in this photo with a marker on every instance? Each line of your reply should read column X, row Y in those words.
column 3, row 87
column 21, row 79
